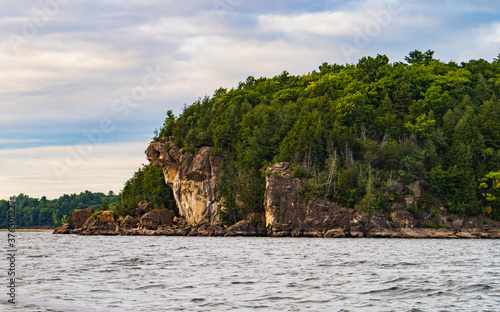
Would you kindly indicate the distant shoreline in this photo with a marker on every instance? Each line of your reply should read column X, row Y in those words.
column 29, row 230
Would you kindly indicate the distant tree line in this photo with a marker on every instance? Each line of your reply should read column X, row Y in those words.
column 37, row 213
column 356, row 131
column 147, row 184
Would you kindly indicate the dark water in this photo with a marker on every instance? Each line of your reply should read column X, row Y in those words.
column 78, row 273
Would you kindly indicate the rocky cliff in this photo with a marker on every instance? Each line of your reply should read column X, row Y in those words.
column 193, row 179
column 290, row 210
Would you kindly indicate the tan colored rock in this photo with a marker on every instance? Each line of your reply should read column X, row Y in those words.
column 156, row 218
column 403, row 218
column 102, row 224
column 289, row 209
column 66, row 228
column 193, row 179
column 411, row 233
column 335, row 233
column 465, row 234
column 81, row 216
column 76, row 231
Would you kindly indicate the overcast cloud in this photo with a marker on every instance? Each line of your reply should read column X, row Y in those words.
column 73, row 73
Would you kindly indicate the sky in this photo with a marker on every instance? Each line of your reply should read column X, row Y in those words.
column 84, row 84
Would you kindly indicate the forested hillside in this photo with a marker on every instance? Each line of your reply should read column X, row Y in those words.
column 358, row 130
column 35, row 213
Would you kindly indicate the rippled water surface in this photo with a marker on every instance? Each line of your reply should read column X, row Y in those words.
column 97, row 273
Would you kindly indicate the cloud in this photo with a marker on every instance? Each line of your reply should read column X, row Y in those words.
column 322, row 23
column 36, row 171
column 19, row 141
column 64, row 79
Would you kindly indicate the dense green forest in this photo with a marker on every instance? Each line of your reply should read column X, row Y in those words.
column 355, row 131
column 147, row 183
column 36, row 213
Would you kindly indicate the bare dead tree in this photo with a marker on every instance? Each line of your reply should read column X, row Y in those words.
column 331, row 174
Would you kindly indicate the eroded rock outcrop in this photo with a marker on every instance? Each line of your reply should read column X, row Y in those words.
column 292, row 212
column 81, row 216
column 193, row 179
column 103, row 223
column 66, row 228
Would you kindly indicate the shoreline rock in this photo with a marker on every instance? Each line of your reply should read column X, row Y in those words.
column 96, row 226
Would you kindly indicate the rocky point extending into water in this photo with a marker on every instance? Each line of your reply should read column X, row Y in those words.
column 288, row 210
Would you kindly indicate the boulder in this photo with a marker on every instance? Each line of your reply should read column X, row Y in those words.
column 81, row 216
column 143, row 207
column 129, row 222
column 242, row 228
column 156, row 218
column 64, row 229
column 103, row 223
column 206, row 229
column 335, row 233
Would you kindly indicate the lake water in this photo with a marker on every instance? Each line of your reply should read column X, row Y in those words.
column 125, row 273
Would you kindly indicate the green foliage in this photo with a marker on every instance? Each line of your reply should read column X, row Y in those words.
column 229, row 213
column 105, row 206
column 431, row 225
column 148, row 183
column 490, row 186
column 37, row 213
column 417, row 57
column 298, row 171
column 418, row 212
column 66, row 219
column 383, row 124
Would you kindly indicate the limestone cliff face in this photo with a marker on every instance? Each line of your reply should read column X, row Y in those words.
column 291, row 212
column 193, row 179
